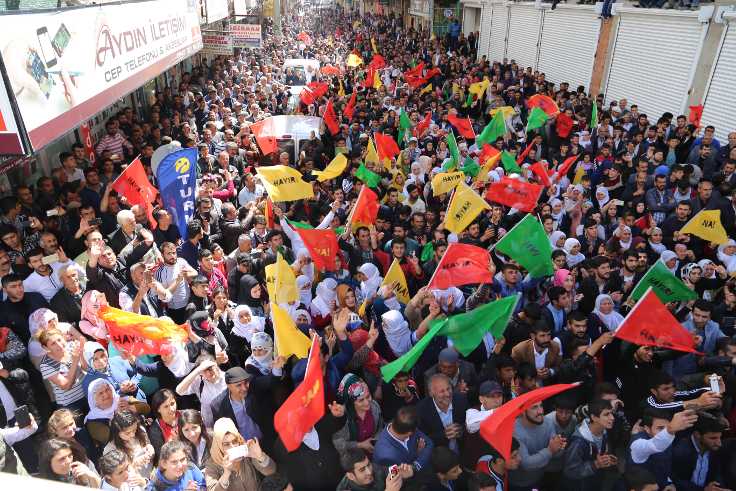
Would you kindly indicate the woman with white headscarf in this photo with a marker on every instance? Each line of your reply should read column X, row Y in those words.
column 727, row 255
column 304, row 284
column 39, row 320
column 669, row 259
column 398, row 334
column 557, row 239
column 370, row 280
column 323, row 303
column 103, row 401
column 557, row 211
column 605, row 310
column 450, row 300
column 623, row 235
column 601, row 197
column 572, row 251
column 246, row 324
column 261, row 361
column 655, row 241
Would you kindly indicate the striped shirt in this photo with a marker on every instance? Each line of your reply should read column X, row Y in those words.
column 50, row 367
column 113, row 143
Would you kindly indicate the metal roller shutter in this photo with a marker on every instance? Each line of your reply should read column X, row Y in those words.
column 524, row 24
column 569, row 40
column 499, row 28
column 485, row 30
column 652, row 61
column 719, row 106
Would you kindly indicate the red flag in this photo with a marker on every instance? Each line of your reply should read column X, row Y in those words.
column 322, row 246
column 135, row 186
column 565, row 167
column 270, row 222
column 462, row 264
column 306, row 404
column 385, row 146
column 545, row 103
column 423, row 125
column 370, row 77
column 366, row 207
column 564, row 125
column 644, row 222
column 313, row 91
column 350, row 108
column 696, row 113
column 377, row 62
column 330, row 119
column 517, row 194
column 264, row 133
column 650, row 324
column 498, row 428
column 463, row 126
column 487, row 152
column 540, row 170
column 425, row 80
column 414, row 72
column 523, row 154
column 304, row 37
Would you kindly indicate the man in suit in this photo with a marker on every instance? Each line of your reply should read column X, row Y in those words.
column 238, row 403
column 402, row 443
column 696, row 460
column 461, row 373
column 125, row 231
column 539, row 351
column 67, row 303
column 442, row 414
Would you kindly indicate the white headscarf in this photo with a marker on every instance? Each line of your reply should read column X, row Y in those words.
column 397, row 332
column 659, row 247
column 308, row 269
column 603, row 190
column 38, row 321
column 94, row 411
column 304, row 283
column 703, row 263
column 442, row 295
column 612, row 320
column 729, row 261
column 624, row 245
column 369, row 287
column 256, row 324
column 555, row 237
column 668, row 255
column 573, row 259
column 326, row 293
column 262, row 363
column 561, row 214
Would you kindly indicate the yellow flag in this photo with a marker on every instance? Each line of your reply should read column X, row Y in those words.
column 373, row 45
column 372, row 155
column 507, row 111
column 466, row 204
column 426, row 89
column 479, row 88
column 579, row 173
column 444, row 182
column 354, row 60
column 284, row 183
column 456, row 89
column 487, row 167
column 395, row 277
column 707, row 225
column 281, row 282
column 377, row 81
column 341, row 91
column 289, row 339
column 333, row 169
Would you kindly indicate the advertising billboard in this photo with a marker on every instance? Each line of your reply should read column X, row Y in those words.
column 246, row 35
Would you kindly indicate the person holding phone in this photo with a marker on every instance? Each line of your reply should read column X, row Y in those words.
column 363, row 420
column 57, row 463
column 235, row 464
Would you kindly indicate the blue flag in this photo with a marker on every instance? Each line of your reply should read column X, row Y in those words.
column 177, row 180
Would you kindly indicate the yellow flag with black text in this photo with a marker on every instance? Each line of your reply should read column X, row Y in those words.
column 444, row 182
column 397, row 280
column 333, row 169
column 466, row 204
column 281, row 282
column 371, row 155
column 707, row 225
column 284, row 183
column 289, row 339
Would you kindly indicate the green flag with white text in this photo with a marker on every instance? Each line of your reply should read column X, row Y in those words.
column 667, row 286
column 527, row 244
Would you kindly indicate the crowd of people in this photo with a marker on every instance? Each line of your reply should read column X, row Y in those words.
column 77, row 409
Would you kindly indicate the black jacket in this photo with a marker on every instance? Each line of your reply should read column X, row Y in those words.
column 430, row 423
column 260, row 413
column 117, row 240
column 68, row 308
column 16, row 313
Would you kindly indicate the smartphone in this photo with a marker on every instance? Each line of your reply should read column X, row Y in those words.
column 714, row 385
column 239, row 452
column 95, row 221
column 61, row 40
column 46, row 49
column 35, row 67
column 22, row 416
column 52, row 213
column 51, row 259
column 393, row 470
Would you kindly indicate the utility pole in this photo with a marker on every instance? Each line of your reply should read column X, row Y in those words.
column 277, row 17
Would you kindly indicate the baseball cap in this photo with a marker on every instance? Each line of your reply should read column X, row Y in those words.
column 489, row 387
column 236, row 374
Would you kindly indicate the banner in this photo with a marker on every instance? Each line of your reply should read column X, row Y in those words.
column 10, row 135
column 66, row 66
column 177, row 179
column 217, row 10
column 140, row 334
column 246, row 35
column 89, row 145
column 217, row 43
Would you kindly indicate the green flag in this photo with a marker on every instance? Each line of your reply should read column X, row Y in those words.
column 468, row 100
column 301, row 225
column 536, row 119
column 427, row 252
column 594, row 116
column 404, row 124
column 494, row 129
column 370, row 178
column 527, row 244
column 667, row 286
column 452, row 145
column 470, row 167
column 509, row 163
column 467, row 330
column 408, row 359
